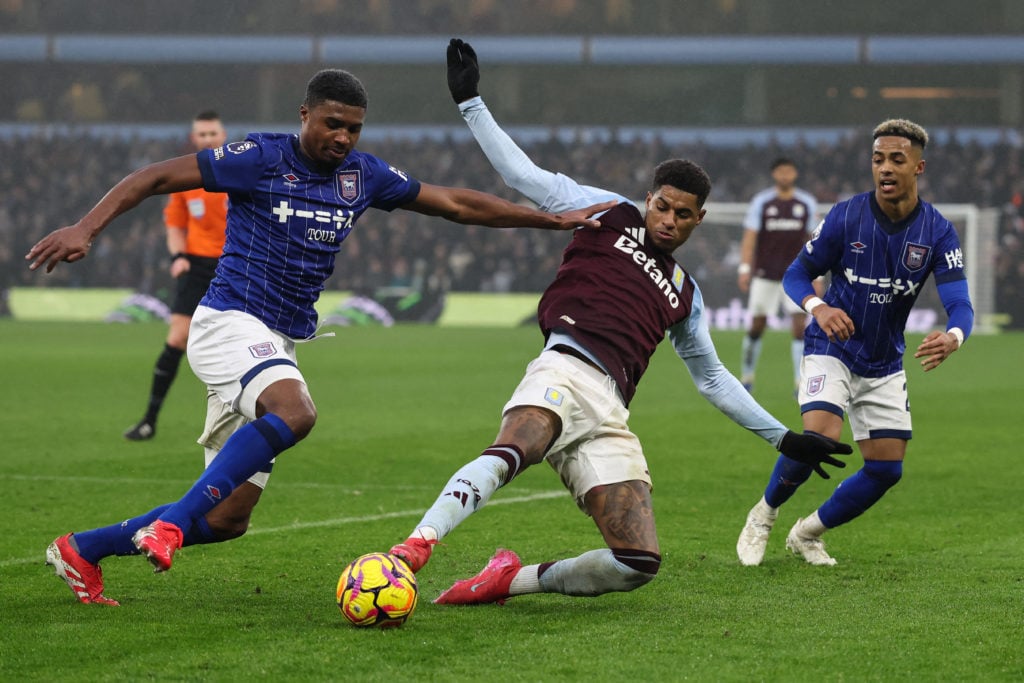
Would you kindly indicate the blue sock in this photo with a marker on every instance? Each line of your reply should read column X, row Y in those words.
column 786, row 479
column 199, row 534
column 248, row 451
column 859, row 492
column 115, row 539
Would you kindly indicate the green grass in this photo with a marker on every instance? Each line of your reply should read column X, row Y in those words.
column 930, row 583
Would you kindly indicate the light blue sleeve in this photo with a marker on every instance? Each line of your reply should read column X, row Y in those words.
column 752, row 219
column 811, row 220
column 550, row 191
column 692, row 342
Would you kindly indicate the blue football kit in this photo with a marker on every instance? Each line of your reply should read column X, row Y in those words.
column 286, row 223
column 878, row 269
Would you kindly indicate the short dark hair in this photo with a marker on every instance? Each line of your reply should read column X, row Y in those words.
column 783, row 161
column 207, row 115
column 902, row 128
column 335, row 85
column 684, row 175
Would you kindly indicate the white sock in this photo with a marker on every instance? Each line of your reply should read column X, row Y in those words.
column 593, row 573
column 811, row 526
column 467, row 491
column 526, row 581
column 767, row 510
column 427, row 533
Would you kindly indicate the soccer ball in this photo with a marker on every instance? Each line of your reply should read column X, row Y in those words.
column 377, row 590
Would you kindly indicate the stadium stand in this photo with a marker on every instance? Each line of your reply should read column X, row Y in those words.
column 50, row 180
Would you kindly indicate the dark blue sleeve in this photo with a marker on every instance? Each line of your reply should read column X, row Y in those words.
column 392, row 187
column 948, row 257
column 957, row 302
column 234, row 167
column 817, row 257
column 796, row 281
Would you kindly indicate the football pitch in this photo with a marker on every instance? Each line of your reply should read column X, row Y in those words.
column 929, row 586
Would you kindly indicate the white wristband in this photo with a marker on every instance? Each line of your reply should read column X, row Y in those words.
column 744, row 269
column 813, row 303
column 959, row 334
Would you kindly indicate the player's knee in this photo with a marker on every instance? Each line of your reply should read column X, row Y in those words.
column 636, row 567
column 301, row 422
column 886, row 472
column 300, row 418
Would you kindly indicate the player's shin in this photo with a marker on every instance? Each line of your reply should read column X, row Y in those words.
column 786, row 478
column 249, row 450
column 593, row 573
column 116, row 539
column 858, row 493
column 469, row 489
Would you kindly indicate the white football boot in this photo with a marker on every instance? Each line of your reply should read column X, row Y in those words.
column 812, row 548
column 754, row 538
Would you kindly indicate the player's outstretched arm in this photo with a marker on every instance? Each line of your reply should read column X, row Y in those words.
column 692, row 343
column 813, row 449
column 463, row 71
column 73, row 242
column 470, row 207
column 724, row 391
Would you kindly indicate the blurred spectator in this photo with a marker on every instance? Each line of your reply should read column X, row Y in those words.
column 49, row 181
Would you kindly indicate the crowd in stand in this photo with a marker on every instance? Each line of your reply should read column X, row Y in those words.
column 47, row 182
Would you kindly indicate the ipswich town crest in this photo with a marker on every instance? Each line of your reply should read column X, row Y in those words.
column 350, row 186
column 815, row 385
column 915, row 256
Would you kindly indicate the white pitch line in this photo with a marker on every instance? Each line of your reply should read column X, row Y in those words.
column 339, row 521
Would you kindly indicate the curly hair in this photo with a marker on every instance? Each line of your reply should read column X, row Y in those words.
column 335, row 85
column 902, row 128
column 684, row 175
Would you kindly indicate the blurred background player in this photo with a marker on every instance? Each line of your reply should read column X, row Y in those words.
column 616, row 294
column 776, row 226
column 295, row 198
column 883, row 245
column 195, row 221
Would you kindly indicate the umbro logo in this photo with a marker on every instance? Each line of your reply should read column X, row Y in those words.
column 857, row 247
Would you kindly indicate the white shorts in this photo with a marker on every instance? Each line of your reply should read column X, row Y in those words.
column 878, row 406
column 595, row 447
column 766, row 296
column 221, row 423
column 237, row 356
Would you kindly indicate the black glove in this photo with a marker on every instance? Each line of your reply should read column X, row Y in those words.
column 813, row 449
column 463, row 71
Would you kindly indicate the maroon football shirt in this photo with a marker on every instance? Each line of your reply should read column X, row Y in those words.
column 616, row 296
column 783, row 233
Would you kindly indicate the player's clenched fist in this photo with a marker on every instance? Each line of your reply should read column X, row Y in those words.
column 834, row 322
